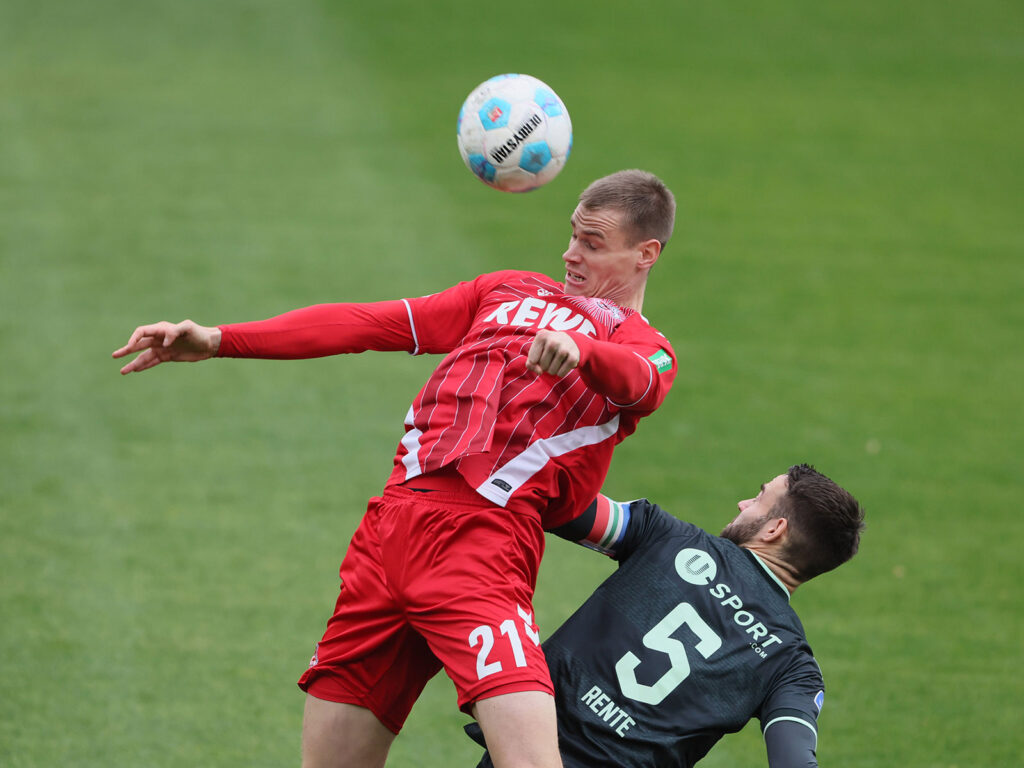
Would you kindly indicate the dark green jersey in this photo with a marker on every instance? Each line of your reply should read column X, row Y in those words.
column 688, row 640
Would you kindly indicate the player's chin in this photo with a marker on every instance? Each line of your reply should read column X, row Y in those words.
column 575, row 287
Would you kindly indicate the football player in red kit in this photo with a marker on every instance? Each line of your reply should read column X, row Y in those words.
column 512, row 434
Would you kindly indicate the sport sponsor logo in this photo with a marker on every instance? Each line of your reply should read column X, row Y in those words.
column 697, row 567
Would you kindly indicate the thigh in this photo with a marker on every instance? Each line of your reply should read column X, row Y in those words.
column 470, row 595
column 369, row 656
column 338, row 735
column 520, row 729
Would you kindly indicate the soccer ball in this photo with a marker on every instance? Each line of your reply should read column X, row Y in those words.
column 514, row 133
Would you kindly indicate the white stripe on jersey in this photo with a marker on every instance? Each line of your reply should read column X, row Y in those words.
column 567, row 387
column 486, row 428
column 650, row 383
column 412, row 328
column 795, row 720
column 458, row 425
column 517, row 472
column 411, row 442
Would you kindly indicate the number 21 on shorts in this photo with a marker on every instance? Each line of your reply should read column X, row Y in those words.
column 484, row 637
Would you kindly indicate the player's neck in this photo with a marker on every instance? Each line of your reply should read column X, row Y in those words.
column 630, row 296
column 771, row 559
column 633, row 300
column 636, row 302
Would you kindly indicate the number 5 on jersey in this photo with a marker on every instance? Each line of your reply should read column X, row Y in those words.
column 659, row 638
column 484, row 637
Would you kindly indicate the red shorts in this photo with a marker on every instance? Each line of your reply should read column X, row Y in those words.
column 430, row 580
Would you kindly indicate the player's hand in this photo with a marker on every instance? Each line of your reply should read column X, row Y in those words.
column 552, row 352
column 184, row 342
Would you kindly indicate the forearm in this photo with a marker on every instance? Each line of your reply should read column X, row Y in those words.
column 791, row 743
column 619, row 373
column 321, row 330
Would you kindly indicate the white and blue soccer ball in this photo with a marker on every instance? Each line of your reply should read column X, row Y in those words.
column 514, row 133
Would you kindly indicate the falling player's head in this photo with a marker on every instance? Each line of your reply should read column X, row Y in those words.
column 647, row 206
column 822, row 527
column 825, row 522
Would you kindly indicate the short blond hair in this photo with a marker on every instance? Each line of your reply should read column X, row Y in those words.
column 648, row 205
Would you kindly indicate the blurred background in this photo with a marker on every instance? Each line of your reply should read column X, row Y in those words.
column 843, row 288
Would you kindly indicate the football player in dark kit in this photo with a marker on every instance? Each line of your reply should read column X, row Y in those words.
column 693, row 635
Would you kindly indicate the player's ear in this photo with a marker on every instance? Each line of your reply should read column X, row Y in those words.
column 775, row 529
column 650, row 250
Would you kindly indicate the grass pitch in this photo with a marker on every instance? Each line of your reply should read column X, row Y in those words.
column 843, row 288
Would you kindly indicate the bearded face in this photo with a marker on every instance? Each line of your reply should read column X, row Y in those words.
column 742, row 531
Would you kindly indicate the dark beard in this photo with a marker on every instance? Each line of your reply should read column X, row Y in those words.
column 741, row 533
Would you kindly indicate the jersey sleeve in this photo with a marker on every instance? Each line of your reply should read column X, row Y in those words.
column 791, row 744
column 601, row 526
column 433, row 323
column 789, row 715
column 321, row 330
column 634, row 370
column 617, row 529
column 441, row 320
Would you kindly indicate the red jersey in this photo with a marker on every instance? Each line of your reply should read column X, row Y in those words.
column 531, row 443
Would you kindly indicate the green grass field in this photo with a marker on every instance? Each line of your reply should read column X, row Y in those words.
column 844, row 288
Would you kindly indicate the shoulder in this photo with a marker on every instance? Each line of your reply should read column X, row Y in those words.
column 649, row 525
column 639, row 327
column 518, row 277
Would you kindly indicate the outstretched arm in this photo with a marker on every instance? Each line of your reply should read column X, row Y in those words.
column 184, row 342
column 316, row 331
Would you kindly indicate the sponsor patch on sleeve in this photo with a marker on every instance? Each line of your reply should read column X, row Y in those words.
column 662, row 361
column 819, row 700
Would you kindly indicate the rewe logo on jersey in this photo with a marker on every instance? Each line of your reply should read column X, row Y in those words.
column 539, row 314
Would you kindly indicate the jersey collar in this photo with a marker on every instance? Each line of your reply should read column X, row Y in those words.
column 771, row 573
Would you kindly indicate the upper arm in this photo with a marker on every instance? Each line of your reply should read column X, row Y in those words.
column 602, row 526
column 440, row 321
column 619, row 528
column 634, row 369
